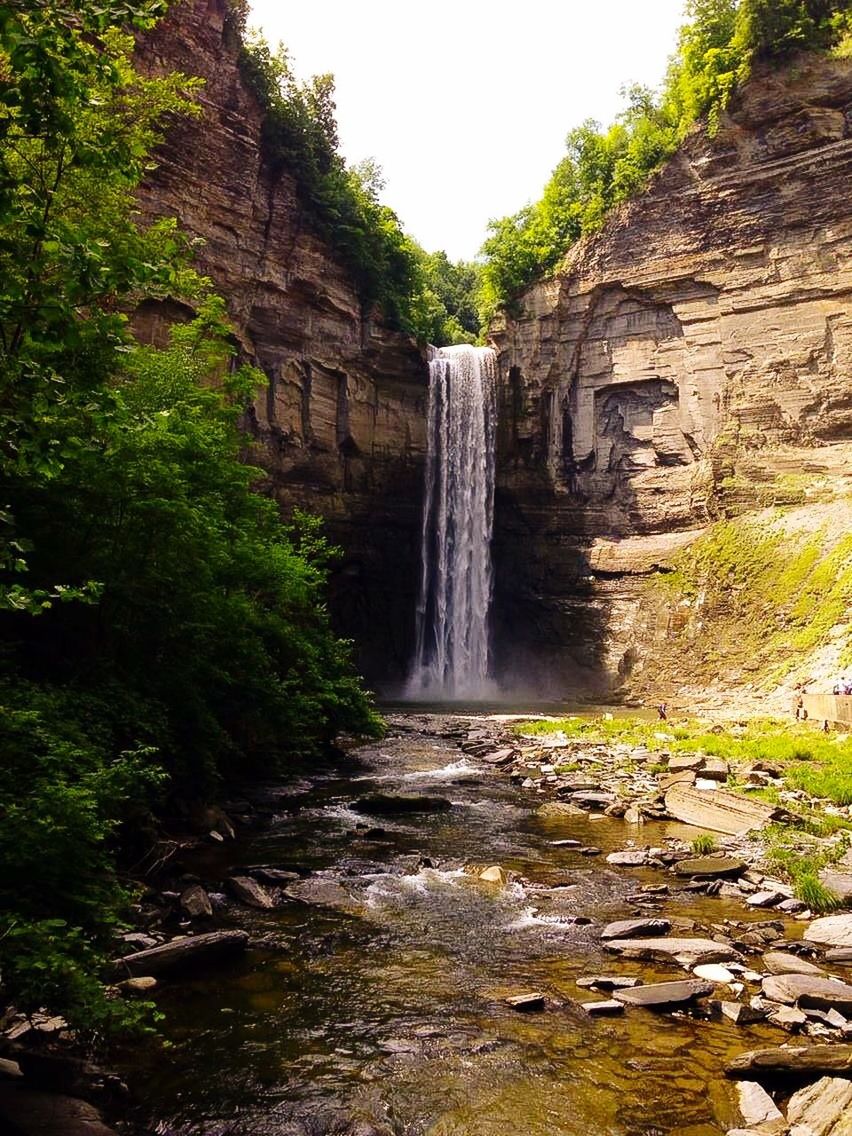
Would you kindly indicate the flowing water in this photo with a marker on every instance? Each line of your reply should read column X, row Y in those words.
column 388, row 1006
column 451, row 659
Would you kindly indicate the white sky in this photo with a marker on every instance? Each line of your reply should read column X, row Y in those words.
column 466, row 103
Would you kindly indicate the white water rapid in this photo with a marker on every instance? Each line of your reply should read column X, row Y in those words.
column 452, row 655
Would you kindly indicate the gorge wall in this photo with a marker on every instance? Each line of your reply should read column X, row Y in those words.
column 341, row 423
column 693, row 360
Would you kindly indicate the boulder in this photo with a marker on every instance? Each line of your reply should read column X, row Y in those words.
column 831, row 931
column 709, row 867
column 663, row 995
column 756, row 1105
column 196, row 902
column 833, row 1059
column 809, row 990
column 48, row 1114
column 718, row 810
column 250, row 892
column 821, row 1109
column 321, row 892
column 494, row 875
column 779, row 962
column 188, row 951
column 144, row 984
column 630, row 928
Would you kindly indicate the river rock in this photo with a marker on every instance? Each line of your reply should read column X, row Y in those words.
column 526, row 1003
column 630, row 928
column 831, row 931
column 842, row 955
column 249, row 891
column 144, row 984
column 822, row 1109
column 31, row 1113
column 834, row 1059
column 381, row 804
column 555, row 810
column 779, row 962
column 685, row 761
column 687, row 951
column 608, row 982
column 662, row 995
column 593, row 800
column 494, row 875
column 714, row 972
column 764, row 899
column 808, row 990
column 500, row 756
column 196, row 902
column 718, row 810
column 321, row 892
column 628, row 859
column 606, row 1008
column 714, row 769
column 709, row 867
column 741, row 1014
column 756, row 1105
column 187, row 951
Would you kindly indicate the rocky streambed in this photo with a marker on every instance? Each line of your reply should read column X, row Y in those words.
column 451, row 937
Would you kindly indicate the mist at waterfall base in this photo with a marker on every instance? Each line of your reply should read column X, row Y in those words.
column 452, row 660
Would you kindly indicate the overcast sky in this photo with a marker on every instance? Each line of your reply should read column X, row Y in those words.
column 466, row 103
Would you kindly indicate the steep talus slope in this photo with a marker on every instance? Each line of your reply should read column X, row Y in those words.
column 692, row 361
column 342, row 420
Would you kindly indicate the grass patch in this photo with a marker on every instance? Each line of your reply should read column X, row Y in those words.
column 703, row 845
column 818, row 763
column 799, row 859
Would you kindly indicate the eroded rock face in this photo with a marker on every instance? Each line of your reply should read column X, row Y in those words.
column 341, row 423
column 699, row 347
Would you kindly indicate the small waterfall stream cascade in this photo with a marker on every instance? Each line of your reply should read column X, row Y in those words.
column 452, row 653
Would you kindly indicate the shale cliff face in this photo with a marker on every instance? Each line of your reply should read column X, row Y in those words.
column 341, row 423
column 691, row 361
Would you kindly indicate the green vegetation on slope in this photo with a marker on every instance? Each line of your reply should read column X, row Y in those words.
column 161, row 630
column 759, row 597
column 716, row 51
column 420, row 293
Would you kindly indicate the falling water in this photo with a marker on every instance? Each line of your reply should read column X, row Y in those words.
column 455, row 592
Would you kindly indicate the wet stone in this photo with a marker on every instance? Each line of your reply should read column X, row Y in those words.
column 607, row 1008
column 741, row 1014
column 628, row 859
column 633, row 928
column 709, row 867
column 527, row 1003
column 662, row 995
column 778, row 962
column 608, row 982
column 809, row 990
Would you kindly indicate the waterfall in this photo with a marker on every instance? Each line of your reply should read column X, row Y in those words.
column 452, row 655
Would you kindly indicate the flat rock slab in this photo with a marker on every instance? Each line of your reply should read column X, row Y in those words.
column 831, row 931
column 526, row 1003
column 718, row 809
column 696, row 950
column 556, row 809
column 608, row 982
column 388, row 804
column 741, row 1014
column 709, row 867
column 715, row 769
column 756, row 1105
column 628, row 859
column 840, row 882
column 322, row 893
column 182, row 953
column 821, row 1109
column 631, row 928
column 809, row 990
column 831, row 1059
column 500, row 756
column 661, row 995
column 685, row 761
column 778, row 962
column 593, row 800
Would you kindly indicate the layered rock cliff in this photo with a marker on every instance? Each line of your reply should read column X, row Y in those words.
column 693, row 360
column 341, row 423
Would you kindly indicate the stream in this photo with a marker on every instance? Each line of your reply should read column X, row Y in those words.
column 384, row 1006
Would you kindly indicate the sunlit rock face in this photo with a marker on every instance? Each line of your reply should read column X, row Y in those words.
column 698, row 348
column 341, row 423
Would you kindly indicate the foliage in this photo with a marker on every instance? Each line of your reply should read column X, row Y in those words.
column 716, row 50
column 703, row 845
column 420, row 293
column 800, row 860
column 162, row 630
